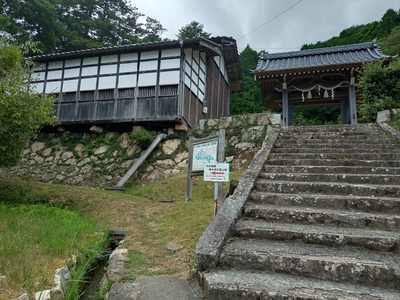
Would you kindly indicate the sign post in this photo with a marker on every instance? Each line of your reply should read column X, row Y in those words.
column 219, row 173
column 205, row 151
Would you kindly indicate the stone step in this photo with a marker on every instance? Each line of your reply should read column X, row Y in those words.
column 318, row 216
column 357, row 203
column 320, row 145
column 338, row 141
column 327, row 188
column 334, row 162
column 323, row 138
column 242, row 284
column 338, row 156
column 340, row 178
column 377, row 240
column 332, row 128
column 375, row 148
column 348, row 265
column 331, row 169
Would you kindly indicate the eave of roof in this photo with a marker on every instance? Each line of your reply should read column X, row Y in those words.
column 347, row 56
column 208, row 44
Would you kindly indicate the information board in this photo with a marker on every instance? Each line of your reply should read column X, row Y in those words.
column 218, row 172
column 204, row 153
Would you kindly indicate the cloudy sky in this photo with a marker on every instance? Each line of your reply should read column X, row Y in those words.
column 271, row 25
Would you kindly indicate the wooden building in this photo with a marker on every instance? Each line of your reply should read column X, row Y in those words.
column 317, row 77
column 175, row 82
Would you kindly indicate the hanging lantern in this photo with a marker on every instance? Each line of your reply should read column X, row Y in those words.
column 326, row 95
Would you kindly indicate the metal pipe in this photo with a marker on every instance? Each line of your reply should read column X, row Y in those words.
column 141, row 159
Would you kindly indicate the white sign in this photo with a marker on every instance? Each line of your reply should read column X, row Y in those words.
column 204, row 153
column 218, row 172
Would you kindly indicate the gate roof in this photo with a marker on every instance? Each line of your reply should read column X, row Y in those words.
column 347, row 56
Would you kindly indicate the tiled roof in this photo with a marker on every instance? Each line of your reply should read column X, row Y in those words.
column 323, row 58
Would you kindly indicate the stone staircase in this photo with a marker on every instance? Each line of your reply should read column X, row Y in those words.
column 321, row 222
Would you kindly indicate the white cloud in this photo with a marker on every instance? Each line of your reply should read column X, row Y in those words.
column 307, row 22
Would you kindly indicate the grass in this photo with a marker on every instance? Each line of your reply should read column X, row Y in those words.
column 35, row 240
column 150, row 225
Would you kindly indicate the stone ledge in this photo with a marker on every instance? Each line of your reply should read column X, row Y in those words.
column 391, row 131
column 210, row 244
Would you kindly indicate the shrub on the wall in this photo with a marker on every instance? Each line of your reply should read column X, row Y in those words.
column 380, row 87
column 143, row 137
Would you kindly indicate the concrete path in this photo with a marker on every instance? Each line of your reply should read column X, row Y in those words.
column 155, row 288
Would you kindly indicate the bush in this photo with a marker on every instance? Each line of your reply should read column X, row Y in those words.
column 15, row 193
column 380, row 89
column 143, row 137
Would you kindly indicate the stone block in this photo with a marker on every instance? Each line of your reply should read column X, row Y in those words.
column 202, row 123
column 43, row 295
column 124, row 140
column 264, row 119
column 67, row 155
column 56, row 294
column 225, row 122
column 181, row 127
column 275, row 119
column 38, row 159
column 96, row 129
column 37, row 146
column 181, row 156
column 244, row 146
column 170, row 146
column 46, row 152
column 123, row 291
column 165, row 163
column 101, row 150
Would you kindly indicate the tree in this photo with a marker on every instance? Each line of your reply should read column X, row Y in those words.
column 362, row 33
column 67, row 25
column 250, row 99
column 192, row 30
column 380, row 87
column 22, row 111
column 391, row 44
column 153, row 31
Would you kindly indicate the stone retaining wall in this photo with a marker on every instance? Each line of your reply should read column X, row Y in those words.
column 101, row 159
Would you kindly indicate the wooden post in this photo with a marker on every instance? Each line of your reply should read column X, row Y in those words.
column 189, row 182
column 352, row 101
column 285, row 103
column 219, row 186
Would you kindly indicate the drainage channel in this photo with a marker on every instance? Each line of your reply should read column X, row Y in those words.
column 97, row 270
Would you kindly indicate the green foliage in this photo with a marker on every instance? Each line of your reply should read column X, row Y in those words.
column 143, row 136
column 16, row 193
column 362, row 33
column 391, row 44
column 394, row 120
column 91, row 147
column 326, row 115
column 22, row 111
column 53, row 234
column 138, row 265
column 380, row 87
column 65, row 25
column 86, row 260
column 250, row 99
column 192, row 30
